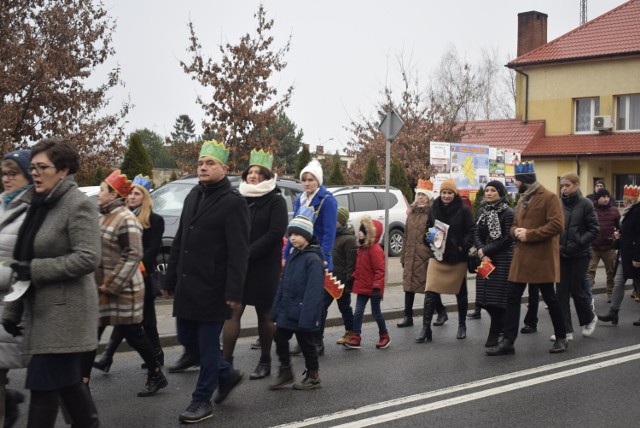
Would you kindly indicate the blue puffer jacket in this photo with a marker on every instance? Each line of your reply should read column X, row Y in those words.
column 298, row 302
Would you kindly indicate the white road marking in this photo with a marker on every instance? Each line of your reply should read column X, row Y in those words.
column 470, row 385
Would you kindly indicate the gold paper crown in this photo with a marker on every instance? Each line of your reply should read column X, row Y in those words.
column 216, row 150
column 631, row 191
column 261, row 158
column 424, row 184
column 119, row 182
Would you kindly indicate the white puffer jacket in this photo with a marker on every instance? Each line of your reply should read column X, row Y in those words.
column 11, row 218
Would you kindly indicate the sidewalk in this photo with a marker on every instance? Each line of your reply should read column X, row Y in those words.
column 392, row 307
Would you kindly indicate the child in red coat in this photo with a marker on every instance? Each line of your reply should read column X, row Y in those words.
column 368, row 281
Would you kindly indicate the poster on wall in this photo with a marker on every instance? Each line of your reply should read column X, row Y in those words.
column 469, row 165
column 511, row 157
column 440, row 157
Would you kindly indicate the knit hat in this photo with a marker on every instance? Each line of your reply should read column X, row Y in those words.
column 525, row 172
column 314, row 168
column 23, row 159
column 599, row 182
column 343, row 215
column 302, row 226
column 502, row 191
column 449, row 184
column 602, row 192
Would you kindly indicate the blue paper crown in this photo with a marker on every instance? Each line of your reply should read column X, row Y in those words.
column 142, row 180
column 525, row 168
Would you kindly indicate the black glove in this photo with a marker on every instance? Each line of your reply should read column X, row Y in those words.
column 12, row 328
column 22, row 270
column 376, row 293
column 349, row 285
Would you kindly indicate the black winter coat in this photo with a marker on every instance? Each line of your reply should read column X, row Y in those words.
column 609, row 221
column 210, row 253
column 268, row 216
column 345, row 253
column 151, row 243
column 630, row 241
column 493, row 291
column 580, row 226
column 460, row 236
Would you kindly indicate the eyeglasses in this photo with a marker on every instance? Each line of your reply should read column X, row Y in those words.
column 40, row 168
column 10, row 175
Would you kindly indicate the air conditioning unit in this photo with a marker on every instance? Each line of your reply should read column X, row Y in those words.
column 602, row 123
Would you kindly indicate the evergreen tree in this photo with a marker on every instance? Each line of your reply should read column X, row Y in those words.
column 372, row 173
column 290, row 139
column 303, row 159
column 478, row 200
column 336, row 178
column 158, row 153
column 136, row 159
column 398, row 178
column 184, row 129
column 173, row 176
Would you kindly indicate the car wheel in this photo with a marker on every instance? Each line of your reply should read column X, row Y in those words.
column 396, row 242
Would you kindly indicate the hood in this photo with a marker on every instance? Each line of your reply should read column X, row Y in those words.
column 373, row 228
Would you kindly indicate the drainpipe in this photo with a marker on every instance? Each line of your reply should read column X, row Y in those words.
column 526, row 96
column 578, row 165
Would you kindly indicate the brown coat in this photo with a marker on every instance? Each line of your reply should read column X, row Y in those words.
column 537, row 260
column 415, row 254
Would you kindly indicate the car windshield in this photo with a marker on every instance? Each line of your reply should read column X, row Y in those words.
column 169, row 199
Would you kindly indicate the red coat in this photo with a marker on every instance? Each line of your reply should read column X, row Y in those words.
column 369, row 272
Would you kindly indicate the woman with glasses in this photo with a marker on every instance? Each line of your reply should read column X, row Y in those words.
column 57, row 250
column 15, row 180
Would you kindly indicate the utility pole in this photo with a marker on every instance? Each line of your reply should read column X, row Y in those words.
column 583, row 12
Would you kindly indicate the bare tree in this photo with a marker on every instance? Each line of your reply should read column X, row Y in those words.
column 48, row 51
column 244, row 102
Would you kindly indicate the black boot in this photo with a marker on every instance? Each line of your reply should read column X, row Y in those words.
column 462, row 331
column 611, row 316
column 79, row 404
column 425, row 334
column 12, row 399
column 476, row 314
column 492, row 340
column 442, row 318
column 159, row 356
column 505, row 347
column 406, row 322
column 186, row 361
column 262, row 370
column 106, row 359
column 155, row 382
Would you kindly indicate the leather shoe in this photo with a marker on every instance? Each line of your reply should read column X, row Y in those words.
column 475, row 315
column 196, row 412
column 462, row 332
column 155, row 382
column 262, row 370
column 442, row 318
column 505, row 347
column 186, row 361
column 406, row 322
column 527, row 329
column 560, row 345
column 225, row 386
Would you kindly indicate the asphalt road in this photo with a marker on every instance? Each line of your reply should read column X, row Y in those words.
column 448, row 382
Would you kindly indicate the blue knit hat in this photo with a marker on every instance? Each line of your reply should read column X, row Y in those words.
column 23, row 159
column 302, row 224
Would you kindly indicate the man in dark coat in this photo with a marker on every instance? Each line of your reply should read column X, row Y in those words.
column 206, row 274
column 602, row 247
column 539, row 220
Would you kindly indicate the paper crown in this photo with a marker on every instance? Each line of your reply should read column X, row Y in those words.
column 119, row 182
column 424, row 185
column 142, row 181
column 216, row 150
column 631, row 191
column 525, row 168
column 261, row 158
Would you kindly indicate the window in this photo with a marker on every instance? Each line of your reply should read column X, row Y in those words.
column 364, row 201
column 585, row 110
column 628, row 110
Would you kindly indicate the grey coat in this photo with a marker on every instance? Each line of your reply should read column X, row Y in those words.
column 63, row 297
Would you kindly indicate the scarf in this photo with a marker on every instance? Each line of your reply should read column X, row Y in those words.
column 305, row 200
column 33, row 221
column 526, row 196
column 7, row 198
column 490, row 217
column 256, row 190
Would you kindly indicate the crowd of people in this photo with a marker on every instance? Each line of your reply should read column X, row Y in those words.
column 76, row 270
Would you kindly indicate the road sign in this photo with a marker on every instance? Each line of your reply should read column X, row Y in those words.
column 391, row 125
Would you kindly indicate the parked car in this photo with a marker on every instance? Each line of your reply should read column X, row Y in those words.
column 169, row 199
column 91, row 192
column 369, row 200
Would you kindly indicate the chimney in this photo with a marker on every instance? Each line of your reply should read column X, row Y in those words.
column 532, row 31
column 319, row 150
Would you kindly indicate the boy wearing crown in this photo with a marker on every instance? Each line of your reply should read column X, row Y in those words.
column 206, row 274
column 538, row 222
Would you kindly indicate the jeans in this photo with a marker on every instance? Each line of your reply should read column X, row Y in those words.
column 512, row 314
column 203, row 339
column 361, row 303
column 344, row 305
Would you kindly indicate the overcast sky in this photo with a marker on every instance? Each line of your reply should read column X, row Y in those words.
column 342, row 53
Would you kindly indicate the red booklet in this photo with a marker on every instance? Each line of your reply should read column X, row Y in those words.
column 333, row 285
column 485, row 268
